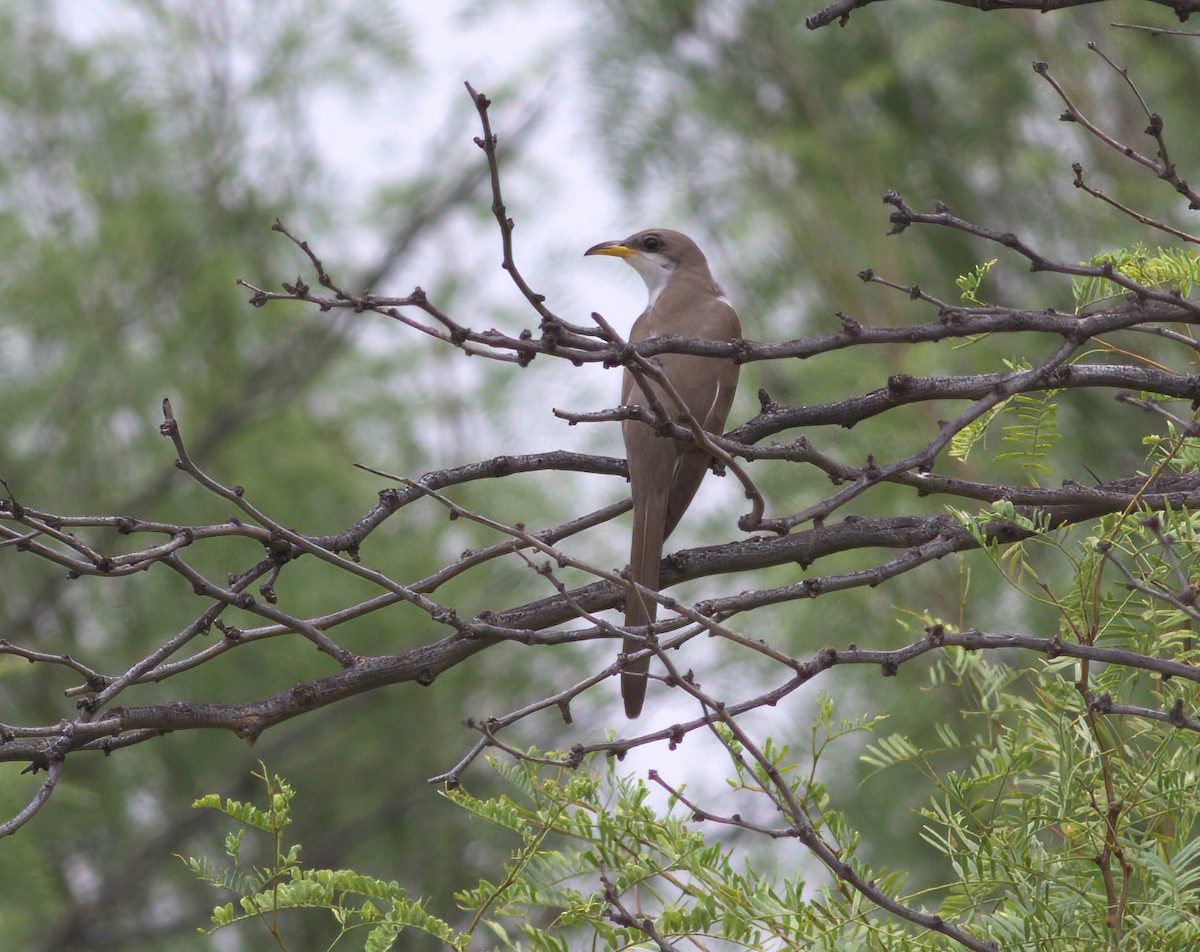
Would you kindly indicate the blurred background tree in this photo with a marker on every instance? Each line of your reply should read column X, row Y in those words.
column 146, row 151
column 143, row 159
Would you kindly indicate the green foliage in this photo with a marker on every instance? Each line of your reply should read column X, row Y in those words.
column 969, row 436
column 1169, row 269
column 1054, row 823
column 1069, row 827
column 1033, row 432
column 591, row 842
column 375, row 910
column 1180, row 453
column 1025, row 827
column 969, row 284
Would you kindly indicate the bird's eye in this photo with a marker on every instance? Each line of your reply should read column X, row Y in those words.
column 652, row 242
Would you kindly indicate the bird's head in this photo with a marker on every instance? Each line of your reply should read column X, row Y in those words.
column 656, row 254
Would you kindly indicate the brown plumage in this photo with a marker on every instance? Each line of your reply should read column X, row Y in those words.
column 664, row 473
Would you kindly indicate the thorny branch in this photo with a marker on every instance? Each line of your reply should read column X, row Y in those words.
column 840, row 10
column 1160, row 164
column 83, row 545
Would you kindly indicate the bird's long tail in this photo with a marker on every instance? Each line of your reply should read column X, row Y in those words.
column 645, row 554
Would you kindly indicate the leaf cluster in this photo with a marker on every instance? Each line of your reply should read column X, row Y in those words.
column 1172, row 269
column 370, row 908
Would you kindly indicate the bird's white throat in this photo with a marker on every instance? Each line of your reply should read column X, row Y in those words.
column 656, row 271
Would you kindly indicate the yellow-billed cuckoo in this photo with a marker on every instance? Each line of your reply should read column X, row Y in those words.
column 665, row 473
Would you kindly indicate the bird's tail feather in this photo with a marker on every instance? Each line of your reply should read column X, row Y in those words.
column 645, row 555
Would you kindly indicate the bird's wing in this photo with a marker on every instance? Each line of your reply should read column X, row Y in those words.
column 706, row 387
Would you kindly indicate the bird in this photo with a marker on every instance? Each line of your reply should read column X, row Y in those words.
column 665, row 473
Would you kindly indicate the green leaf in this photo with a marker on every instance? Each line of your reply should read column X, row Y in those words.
column 969, row 284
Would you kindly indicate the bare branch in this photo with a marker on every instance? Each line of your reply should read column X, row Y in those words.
column 840, row 10
column 1162, row 166
column 1154, row 31
column 53, row 771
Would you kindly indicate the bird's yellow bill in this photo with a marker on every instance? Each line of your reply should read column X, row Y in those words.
column 614, row 248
